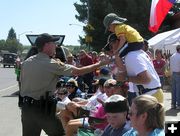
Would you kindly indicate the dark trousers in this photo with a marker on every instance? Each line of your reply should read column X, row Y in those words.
column 34, row 120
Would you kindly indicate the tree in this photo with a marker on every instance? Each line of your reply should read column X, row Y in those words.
column 96, row 13
column 2, row 44
column 11, row 44
column 11, row 35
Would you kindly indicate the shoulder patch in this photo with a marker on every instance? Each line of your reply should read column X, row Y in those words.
column 59, row 62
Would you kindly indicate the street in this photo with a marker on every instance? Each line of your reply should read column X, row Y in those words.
column 10, row 113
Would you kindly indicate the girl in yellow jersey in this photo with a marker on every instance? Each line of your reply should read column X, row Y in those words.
column 129, row 38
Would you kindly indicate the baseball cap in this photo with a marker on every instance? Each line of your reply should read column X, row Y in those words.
column 112, row 18
column 104, row 71
column 45, row 38
column 112, row 37
column 115, row 104
column 72, row 82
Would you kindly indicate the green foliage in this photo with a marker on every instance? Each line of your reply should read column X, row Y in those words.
column 96, row 14
column 75, row 49
column 2, row 44
column 11, row 35
column 11, row 44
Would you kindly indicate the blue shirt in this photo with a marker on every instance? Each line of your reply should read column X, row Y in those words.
column 155, row 132
column 110, row 131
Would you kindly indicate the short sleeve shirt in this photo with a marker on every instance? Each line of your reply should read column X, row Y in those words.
column 131, row 34
column 39, row 74
column 137, row 62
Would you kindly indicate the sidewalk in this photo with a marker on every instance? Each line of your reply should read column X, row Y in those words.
column 171, row 114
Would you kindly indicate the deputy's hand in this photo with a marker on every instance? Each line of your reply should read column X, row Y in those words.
column 107, row 61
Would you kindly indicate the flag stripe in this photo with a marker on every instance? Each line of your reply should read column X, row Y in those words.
column 159, row 10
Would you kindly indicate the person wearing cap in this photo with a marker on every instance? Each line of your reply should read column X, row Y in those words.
column 39, row 75
column 116, row 108
column 105, row 73
column 136, row 68
column 129, row 38
column 175, row 70
column 73, row 89
column 147, row 117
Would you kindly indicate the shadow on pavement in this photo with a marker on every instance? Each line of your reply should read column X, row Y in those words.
column 15, row 94
column 172, row 112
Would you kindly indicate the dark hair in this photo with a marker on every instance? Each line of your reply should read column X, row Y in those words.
column 33, row 51
column 60, row 54
column 178, row 48
column 159, row 51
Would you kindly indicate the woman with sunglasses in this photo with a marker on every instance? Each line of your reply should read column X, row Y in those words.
column 147, row 117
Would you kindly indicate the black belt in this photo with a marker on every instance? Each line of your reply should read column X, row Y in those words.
column 30, row 101
column 148, row 90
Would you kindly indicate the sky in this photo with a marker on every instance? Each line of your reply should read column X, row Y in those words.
column 40, row 16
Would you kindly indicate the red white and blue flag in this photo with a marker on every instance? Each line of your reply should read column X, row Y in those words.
column 159, row 10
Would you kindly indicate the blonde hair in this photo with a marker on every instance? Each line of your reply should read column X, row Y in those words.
column 154, row 109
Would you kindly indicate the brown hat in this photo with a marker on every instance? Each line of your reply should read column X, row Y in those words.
column 45, row 38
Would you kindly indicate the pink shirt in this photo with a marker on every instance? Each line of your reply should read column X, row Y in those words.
column 159, row 66
column 102, row 115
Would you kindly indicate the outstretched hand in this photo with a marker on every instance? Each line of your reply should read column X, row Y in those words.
column 107, row 61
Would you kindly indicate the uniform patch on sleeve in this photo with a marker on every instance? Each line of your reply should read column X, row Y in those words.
column 60, row 62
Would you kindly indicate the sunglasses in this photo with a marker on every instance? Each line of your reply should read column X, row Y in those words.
column 69, row 86
column 61, row 93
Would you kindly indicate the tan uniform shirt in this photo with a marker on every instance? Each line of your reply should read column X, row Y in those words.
column 39, row 74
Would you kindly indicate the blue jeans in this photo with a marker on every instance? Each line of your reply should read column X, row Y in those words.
column 176, row 89
column 162, row 81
